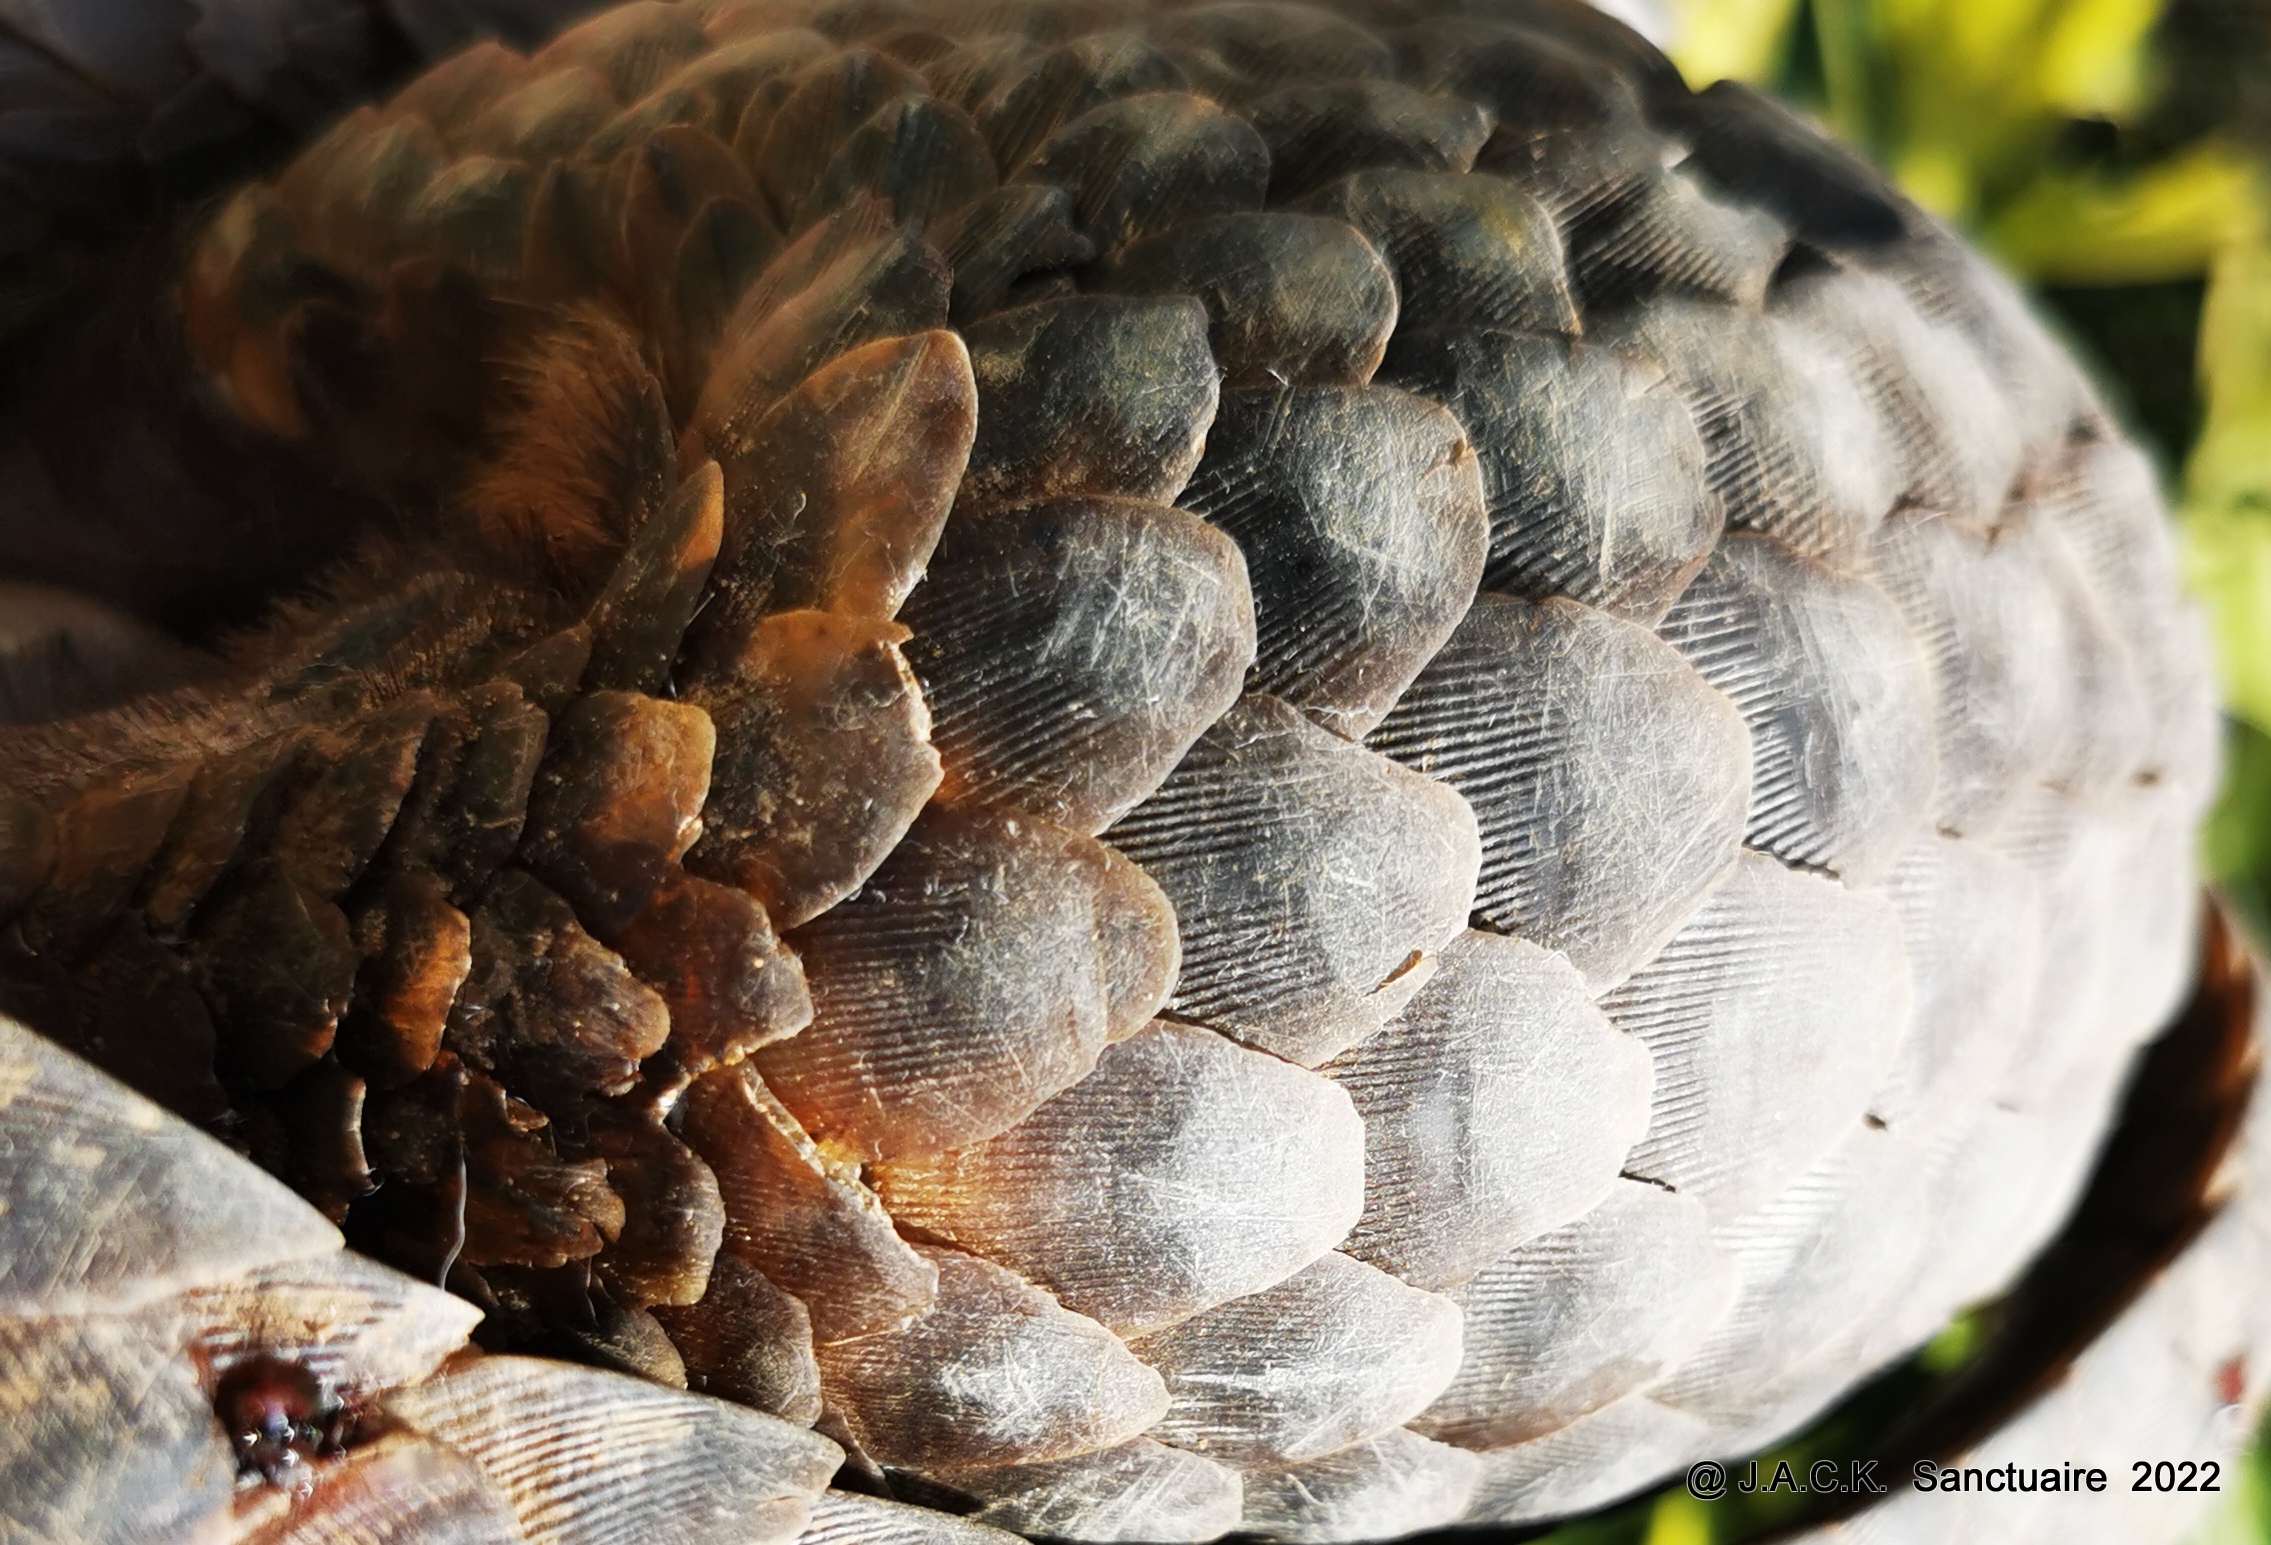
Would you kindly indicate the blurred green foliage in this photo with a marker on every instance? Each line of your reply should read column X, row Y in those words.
column 2116, row 155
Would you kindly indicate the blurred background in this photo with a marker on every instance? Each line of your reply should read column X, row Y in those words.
column 2116, row 156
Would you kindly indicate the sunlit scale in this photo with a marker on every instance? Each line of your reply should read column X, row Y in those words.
column 1127, row 772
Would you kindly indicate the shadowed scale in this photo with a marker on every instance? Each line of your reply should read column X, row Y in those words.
column 1123, row 771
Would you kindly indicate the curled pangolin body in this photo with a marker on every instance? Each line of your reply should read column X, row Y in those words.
column 1227, row 767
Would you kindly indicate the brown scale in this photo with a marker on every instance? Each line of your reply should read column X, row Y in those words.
column 801, row 1217
column 821, row 705
column 836, row 491
column 457, row 1170
column 164, row 1300
column 1290, row 299
column 744, row 1339
column 578, row 897
column 455, row 968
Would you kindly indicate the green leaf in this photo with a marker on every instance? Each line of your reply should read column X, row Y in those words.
column 2227, row 564
column 1939, row 177
column 2235, row 844
column 1958, row 1342
column 2092, row 60
column 2167, row 221
column 1844, row 32
column 1730, row 39
column 1679, row 1519
column 2226, row 525
column 2245, row 1517
column 2230, row 466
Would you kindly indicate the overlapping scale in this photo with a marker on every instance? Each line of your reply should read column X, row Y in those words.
column 801, row 1216
column 1034, row 95
column 1794, row 449
column 279, row 1017
column 620, row 1337
column 197, row 1297
column 851, row 1518
column 1749, row 147
column 1052, row 418
column 693, row 234
column 726, row 979
column 731, row 76
column 1952, row 430
column 633, row 46
column 417, row 951
column 454, row 90
column 397, row 1491
column 76, row 1389
column 588, row 1456
column 1466, row 252
column 2116, row 928
column 141, row 1221
column 1592, row 468
column 1336, row 1353
column 1666, row 234
column 2106, row 504
column 1972, row 922
column 836, row 493
column 1569, row 126
column 98, row 848
column 1398, row 1480
column 921, row 157
column 1312, row 880
column 1809, row 1263
column 1988, row 618
column 827, row 102
column 1360, row 515
column 1143, row 163
column 554, row 114
column 1070, row 651
column 473, row 213
column 673, row 1212
column 1998, row 1184
column 1290, row 298
column 852, row 280
column 1263, row 44
column 1771, row 1017
column 1587, row 1464
column 617, row 802
column 546, row 1004
column 639, row 617
column 467, row 904
column 747, row 1341
column 1014, row 241
column 1184, row 1172
column 992, row 1371
column 465, row 815
column 1608, row 777
column 980, row 971
column 356, row 1324
column 1318, row 132
column 1838, row 696
column 1140, row 1491
column 1957, row 287
column 331, row 829
column 1572, row 1322
column 1498, row 1105
column 824, row 760
column 356, row 184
